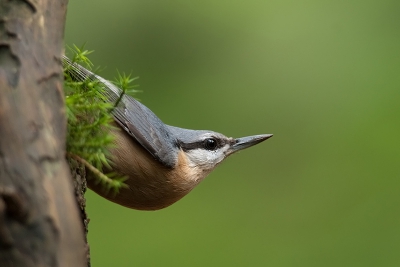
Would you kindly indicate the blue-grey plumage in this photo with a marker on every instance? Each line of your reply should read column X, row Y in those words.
column 162, row 163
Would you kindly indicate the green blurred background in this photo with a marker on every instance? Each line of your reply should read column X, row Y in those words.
column 322, row 76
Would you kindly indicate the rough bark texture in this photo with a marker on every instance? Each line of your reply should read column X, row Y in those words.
column 39, row 219
column 79, row 178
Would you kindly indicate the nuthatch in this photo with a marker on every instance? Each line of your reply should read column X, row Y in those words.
column 162, row 163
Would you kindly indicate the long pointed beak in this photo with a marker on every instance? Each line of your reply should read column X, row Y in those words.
column 248, row 141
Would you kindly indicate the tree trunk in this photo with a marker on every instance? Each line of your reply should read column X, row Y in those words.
column 39, row 219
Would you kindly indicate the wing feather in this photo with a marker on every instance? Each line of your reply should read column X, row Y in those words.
column 134, row 117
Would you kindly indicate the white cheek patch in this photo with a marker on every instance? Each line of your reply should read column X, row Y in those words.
column 205, row 158
column 210, row 157
column 201, row 157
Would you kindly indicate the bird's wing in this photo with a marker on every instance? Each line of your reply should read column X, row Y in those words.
column 143, row 125
column 134, row 117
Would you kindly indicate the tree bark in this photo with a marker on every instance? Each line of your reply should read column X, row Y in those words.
column 39, row 219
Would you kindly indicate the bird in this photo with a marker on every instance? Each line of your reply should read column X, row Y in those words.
column 161, row 163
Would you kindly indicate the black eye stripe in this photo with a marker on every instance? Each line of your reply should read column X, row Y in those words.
column 202, row 144
column 190, row 146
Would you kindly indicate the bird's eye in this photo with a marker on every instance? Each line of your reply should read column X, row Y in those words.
column 210, row 144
